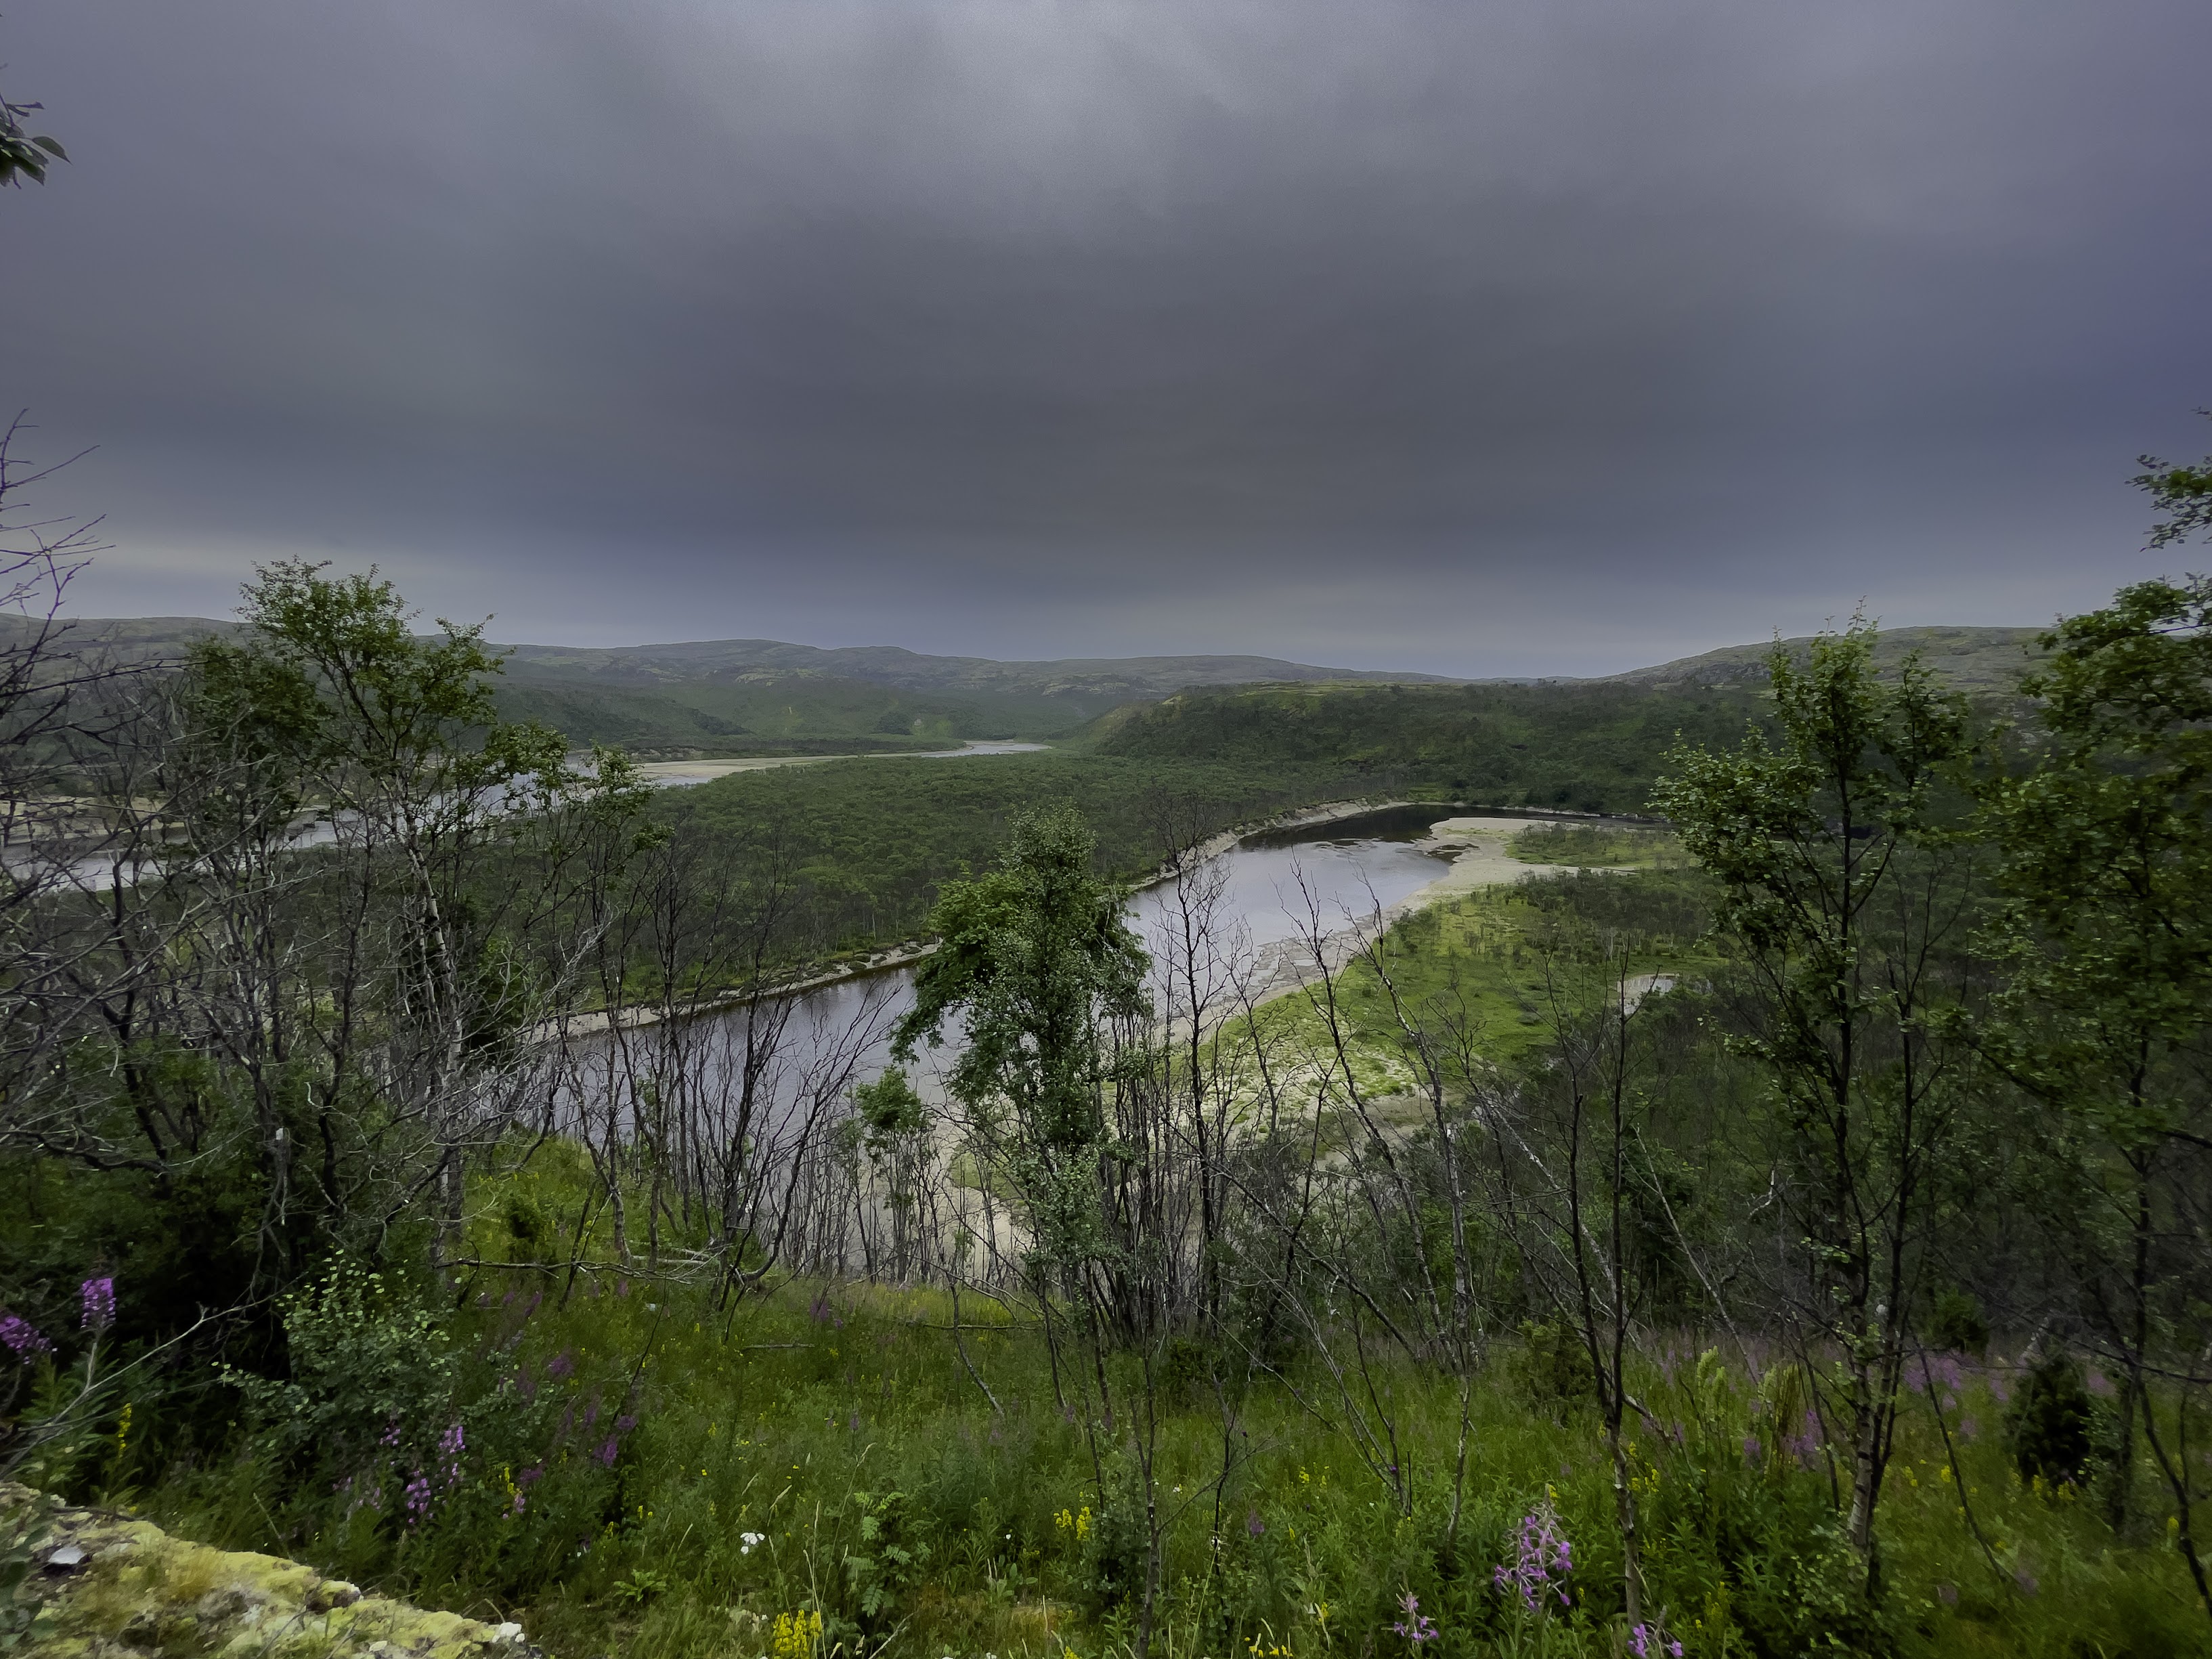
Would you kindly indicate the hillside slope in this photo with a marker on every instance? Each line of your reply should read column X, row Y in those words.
column 739, row 696
column 1589, row 747
column 1099, row 681
column 1974, row 660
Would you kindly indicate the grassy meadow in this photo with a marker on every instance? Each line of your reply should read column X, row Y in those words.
column 649, row 1470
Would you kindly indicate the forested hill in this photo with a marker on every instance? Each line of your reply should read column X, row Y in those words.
column 1586, row 742
column 1117, row 679
column 755, row 697
column 1590, row 747
column 1973, row 660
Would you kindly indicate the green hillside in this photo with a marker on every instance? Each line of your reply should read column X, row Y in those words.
column 1975, row 659
column 1589, row 747
column 673, row 719
column 871, row 841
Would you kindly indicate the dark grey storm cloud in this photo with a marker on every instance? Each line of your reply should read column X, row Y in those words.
column 1478, row 337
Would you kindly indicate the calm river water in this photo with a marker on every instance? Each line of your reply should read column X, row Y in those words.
column 1272, row 886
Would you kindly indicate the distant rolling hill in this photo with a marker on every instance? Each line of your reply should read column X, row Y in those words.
column 739, row 696
column 1975, row 659
column 765, row 696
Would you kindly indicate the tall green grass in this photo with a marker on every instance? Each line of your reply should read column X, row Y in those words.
column 699, row 1479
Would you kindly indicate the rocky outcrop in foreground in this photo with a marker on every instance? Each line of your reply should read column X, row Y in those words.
column 107, row 1587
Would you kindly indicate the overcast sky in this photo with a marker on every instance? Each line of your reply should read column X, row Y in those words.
column 1482, row 337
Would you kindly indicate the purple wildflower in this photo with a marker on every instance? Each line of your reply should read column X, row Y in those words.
column 1806, row 1443
column 99, row 1303
column 2100, row 1384
column 1649, row 1641
column 450, row 1447
column 21, row 1338
column 1543, row 1558
column 560, row 1364
column 1417, row 1626
column 625, row 1423
column 1968, row 1428
column 417, row 1494
column 607, row 1453
column 1751, row 1448
column 1253, row 1524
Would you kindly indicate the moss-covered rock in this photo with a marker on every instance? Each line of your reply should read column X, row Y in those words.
column 113, row 1587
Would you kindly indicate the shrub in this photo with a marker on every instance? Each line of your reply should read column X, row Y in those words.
column 2050, row 1424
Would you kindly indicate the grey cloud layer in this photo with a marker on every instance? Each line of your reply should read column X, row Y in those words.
column 1480, row 337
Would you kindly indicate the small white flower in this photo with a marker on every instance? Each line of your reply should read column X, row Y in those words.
column 747, row 1540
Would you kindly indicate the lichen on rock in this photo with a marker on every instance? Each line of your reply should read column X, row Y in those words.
column 115, row 1587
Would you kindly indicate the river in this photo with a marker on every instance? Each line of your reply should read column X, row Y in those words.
column 1270, row 891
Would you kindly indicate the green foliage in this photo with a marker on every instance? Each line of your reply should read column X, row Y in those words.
column 1956, row 1324
column 1034, row 954
column 1553, row 1365
column 2050, row 1424
column 770, row 714
column 367, row 1363
column 24, row 1620
column 1585, row 846
column 24, row 154
column 2183, row 494
column 890, row 1109
column 885, row 1560
column 872, row 843
column 1595, row 748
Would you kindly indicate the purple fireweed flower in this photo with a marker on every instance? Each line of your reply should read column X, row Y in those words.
column 99, row 1303
column 417, row 1494
column 1543, row 1558
column 1649, row 1641
column 21, row 1338
column 1968, row 1428
column 607, row 1453
column 1417, row 1626
column 1948, row 1372
column 1253, row 1524
column 1805, row 1445
column 560, row 1364
column 1752, row 1449
column 450, row 1447
column 624, row 1423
